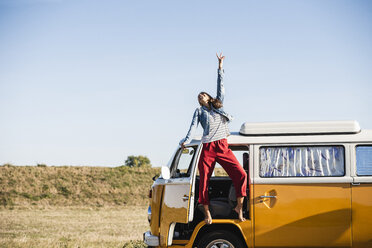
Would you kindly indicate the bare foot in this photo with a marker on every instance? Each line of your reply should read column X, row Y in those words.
column 208, row 217
column 239, row 211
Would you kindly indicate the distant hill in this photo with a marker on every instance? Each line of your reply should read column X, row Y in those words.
column 74, row 186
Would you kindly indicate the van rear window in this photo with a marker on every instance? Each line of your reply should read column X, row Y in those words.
column 364, row 160
column 302, row 161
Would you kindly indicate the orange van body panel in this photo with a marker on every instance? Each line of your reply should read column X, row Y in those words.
column 362, row 215
column 155, row 203
column 313, row 215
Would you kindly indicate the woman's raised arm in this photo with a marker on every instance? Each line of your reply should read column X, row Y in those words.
column 220, row 60
column 220, row 86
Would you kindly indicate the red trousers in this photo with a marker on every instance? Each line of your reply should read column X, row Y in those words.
column 218, row 151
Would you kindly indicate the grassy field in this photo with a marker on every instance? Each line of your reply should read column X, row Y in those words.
column 65, row 206
column 75, row 186
column 74, row 206
column 73, row 227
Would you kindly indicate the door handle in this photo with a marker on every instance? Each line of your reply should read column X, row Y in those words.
column 267, row 196
column 185, row 198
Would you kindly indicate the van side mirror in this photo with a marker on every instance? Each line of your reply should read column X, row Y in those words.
column 165, row 173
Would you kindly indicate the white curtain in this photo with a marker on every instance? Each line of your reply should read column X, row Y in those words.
column 315, row 161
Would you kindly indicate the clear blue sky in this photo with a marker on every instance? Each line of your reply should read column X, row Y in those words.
column 91, row 82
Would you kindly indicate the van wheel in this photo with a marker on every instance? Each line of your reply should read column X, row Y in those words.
column 220, row 239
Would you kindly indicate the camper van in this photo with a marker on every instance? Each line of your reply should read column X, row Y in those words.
column 309, row 185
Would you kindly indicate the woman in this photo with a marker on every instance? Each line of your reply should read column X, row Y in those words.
column 214, row 121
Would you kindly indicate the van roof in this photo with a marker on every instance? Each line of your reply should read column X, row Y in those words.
column 299, row 132
column 300, row 128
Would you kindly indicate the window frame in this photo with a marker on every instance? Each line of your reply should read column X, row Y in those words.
column 257, row 179
column 305, row 146
column 177, row 157
column 356, row 162
column 235, row 147
column 357, row 180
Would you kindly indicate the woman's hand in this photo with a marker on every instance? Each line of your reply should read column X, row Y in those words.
column 220, row 60
column 183, row 145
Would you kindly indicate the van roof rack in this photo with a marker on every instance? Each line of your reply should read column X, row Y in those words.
column 299, row 128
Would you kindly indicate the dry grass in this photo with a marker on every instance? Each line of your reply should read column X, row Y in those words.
column 74, row 186
column 74, row 206
column 73, row 227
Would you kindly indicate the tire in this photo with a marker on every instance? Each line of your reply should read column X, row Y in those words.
column 220, row 239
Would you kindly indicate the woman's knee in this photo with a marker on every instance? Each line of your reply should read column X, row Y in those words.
column 243, row 177
column 244, row 174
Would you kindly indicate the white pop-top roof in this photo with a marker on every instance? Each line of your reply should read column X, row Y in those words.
column 298, row 128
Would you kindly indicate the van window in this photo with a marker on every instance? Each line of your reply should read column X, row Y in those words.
column 364, row 160
column 302, row 161
column 241, row 153
column 182, row 162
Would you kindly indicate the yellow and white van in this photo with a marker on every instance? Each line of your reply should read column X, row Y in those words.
column 310, row 185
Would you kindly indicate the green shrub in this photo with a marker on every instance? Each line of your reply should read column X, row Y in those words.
column 63, row 191
column 26, row 195
column 137, row 161
column 8, row 165
column 45, row 188
column 6, row 200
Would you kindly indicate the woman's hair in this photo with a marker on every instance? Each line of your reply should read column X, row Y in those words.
column 215, row 102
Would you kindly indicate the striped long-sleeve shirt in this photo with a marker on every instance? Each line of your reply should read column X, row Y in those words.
column 218, row 128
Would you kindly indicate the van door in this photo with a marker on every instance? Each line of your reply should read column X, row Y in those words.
column 302, row 196
column 178, row 197
column 362, row 195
